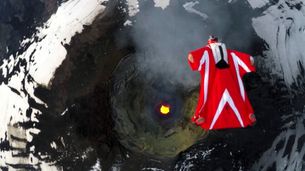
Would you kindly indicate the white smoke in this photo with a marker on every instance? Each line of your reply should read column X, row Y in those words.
column 163, row 38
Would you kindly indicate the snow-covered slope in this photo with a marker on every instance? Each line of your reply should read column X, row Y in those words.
column 23, row 72
column 282, row 26
column 287, row 151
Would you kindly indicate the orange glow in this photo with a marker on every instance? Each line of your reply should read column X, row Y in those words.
column 165, row 109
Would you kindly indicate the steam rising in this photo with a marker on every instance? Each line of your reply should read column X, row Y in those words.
column 163, row 38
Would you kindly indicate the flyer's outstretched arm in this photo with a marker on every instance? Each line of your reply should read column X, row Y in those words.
column 199, row 61
column 244, row 62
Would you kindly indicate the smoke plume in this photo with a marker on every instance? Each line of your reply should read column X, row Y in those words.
column 164, row 36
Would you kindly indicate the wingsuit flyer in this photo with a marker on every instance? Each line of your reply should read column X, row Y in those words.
column 223, row 102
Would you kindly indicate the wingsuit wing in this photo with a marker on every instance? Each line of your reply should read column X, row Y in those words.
column 199, row 61
column 244, row 62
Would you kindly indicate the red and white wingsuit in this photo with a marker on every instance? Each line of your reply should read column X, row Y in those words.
column 223, row 102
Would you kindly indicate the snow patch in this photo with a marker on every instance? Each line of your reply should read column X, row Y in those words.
column 190, row 158
column 189, row 7
column 162, row 3
column 128, row 23
column 133, row 7
column 97, row 166
column 258, row 3
column 58, row 30
column 12, row 108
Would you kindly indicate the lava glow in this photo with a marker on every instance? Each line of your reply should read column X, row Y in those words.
column 165, row 109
